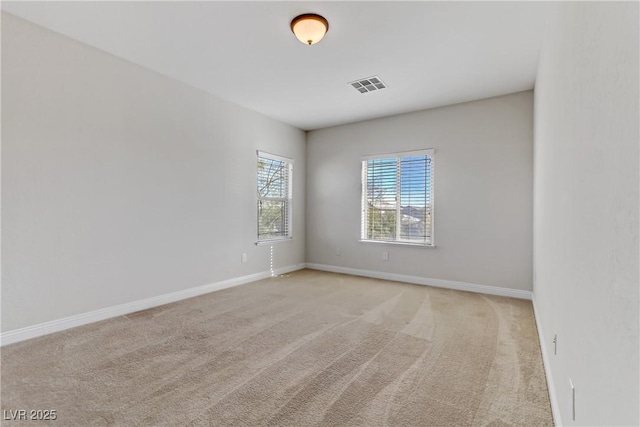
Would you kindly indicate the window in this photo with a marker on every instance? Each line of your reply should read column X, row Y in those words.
column 397, row 198
column 274, row 197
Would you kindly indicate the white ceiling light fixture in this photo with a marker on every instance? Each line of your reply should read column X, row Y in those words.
column 309, row 28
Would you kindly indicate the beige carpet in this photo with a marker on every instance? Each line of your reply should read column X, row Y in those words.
column 310, row 348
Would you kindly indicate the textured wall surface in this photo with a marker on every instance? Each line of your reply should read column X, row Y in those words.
column 483, row 192
column 586, row 209
column 119, row 184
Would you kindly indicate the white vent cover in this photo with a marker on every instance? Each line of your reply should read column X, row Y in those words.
column 368, row 84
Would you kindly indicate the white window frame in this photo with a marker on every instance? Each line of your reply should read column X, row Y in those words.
column 365, row 205
column 288, row 200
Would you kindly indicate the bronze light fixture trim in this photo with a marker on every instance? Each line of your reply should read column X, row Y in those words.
column 309, row 28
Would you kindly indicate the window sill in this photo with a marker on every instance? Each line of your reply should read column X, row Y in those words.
column 272, row 241
column 418, row 245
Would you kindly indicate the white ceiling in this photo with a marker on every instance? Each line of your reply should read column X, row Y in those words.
column 428, row 53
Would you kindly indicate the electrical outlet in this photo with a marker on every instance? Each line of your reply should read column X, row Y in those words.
column 338, row 252
column 572, row 400
column 244, row 258
column 385, row 255
column 555, row 344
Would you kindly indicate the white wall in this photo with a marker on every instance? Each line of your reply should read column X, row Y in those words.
column 483, row 192
column 119, row 184
column 586, row 209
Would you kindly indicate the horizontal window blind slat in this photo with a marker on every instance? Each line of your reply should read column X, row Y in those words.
column 397, row 198
column 274, row 197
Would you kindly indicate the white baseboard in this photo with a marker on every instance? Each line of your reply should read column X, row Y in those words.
column 34, row 331
column 439, row 283
column 553, row 396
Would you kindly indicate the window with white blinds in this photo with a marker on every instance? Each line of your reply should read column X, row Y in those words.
column 397, row 198
column 275, row 175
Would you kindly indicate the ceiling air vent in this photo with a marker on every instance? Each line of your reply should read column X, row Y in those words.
column 368, row 84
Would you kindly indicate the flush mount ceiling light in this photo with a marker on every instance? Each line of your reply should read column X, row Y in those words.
column 309, row 28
